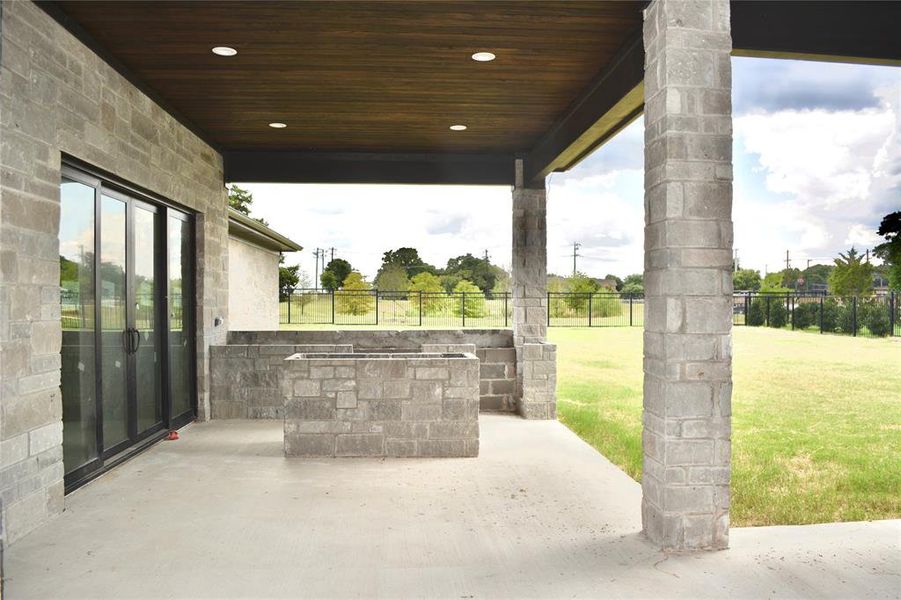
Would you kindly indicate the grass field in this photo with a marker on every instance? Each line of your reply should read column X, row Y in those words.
column 816, row 418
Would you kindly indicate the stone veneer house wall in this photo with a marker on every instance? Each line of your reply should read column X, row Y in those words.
column 59, row 100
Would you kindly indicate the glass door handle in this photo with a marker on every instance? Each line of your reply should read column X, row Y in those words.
column 137, row 335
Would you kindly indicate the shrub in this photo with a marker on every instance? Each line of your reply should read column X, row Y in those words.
column 606, row 306
column 846, row 318
column 875, row 317
column 474, row 303
column 806, row 315
column 833, row 314
column 778, row 312
column 356, row 297
column 756, row 313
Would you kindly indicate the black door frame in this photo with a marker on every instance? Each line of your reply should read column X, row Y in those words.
column 102, row 183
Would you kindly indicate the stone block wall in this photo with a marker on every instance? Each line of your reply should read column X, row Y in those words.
column 245, row 378
column 534, row 399
column 539, row 380
column 58, row 98
column 688, row 274
column 497, row 374
column 374, row 405
column 494, row 348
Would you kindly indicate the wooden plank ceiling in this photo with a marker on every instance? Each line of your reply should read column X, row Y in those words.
column 365, row 76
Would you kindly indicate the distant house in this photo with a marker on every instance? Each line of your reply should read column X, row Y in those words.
column 253, row 259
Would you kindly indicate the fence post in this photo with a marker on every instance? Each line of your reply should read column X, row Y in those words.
column 590, row 297
column 821, row 313
column 376, row 307
column 747, row 306
column 767, row 316
column 854, row 316
column 793, row 312
column 548, row 309
column 463, row 308
column 420, row 308
column 290, row 294
column 333, row 307
column 506, row 296
column 630, row 309
column 891, row 313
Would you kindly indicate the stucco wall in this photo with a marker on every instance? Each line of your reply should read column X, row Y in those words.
column 57, row 97
column 252, row 286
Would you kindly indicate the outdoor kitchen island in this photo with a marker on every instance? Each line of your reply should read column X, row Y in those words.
column 407, row 404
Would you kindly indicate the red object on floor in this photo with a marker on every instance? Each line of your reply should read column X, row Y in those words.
column 173, row 435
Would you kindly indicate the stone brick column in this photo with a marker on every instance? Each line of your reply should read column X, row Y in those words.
column 535, row 359
column 688, row 280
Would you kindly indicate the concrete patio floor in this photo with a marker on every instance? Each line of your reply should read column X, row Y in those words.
column 222, row 514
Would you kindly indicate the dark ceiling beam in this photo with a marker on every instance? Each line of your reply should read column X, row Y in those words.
column 610, row 102
column 250, row 166
column 855, row 32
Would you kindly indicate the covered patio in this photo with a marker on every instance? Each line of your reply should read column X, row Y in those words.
column 538, row 514
column 133, row 100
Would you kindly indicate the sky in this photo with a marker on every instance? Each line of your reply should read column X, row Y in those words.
column 817, row 164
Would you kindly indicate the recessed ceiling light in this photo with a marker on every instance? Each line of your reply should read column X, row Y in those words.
column 483, row 56
column 224, row 51
column 277, row 125
column 458, row 127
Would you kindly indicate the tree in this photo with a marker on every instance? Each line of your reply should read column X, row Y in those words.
column 772, row 283
column 329, row 281
column 851, row 276
column 471, row 300
column 287, row 279
column 340, row 269
column 392, row 279
column 817, row 275
column 746, row 280
column 790, row 278
column 503, row 281
column 890, row 250
column 355, row 297
column 479, row 271
column 406, row 258
column 432, row 292
column 578, row 287
column 633, row 284
column 616, row 280
column 239, row 199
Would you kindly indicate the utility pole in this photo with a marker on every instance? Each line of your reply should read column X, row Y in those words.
column 788, row 261
column 333, row 253
column 316, row 257
column 486, row 254
column 868, row 255
column 808, row 264
column 576, row 246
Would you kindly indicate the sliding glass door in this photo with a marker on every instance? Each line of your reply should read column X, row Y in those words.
column 127, row 316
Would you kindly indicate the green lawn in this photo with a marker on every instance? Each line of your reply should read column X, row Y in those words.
column 816, row 418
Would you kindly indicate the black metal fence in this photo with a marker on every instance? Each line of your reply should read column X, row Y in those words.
column 875, row 316
column 870, row 316
column 595, row 309
column 454, row 309
column 375, row 307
